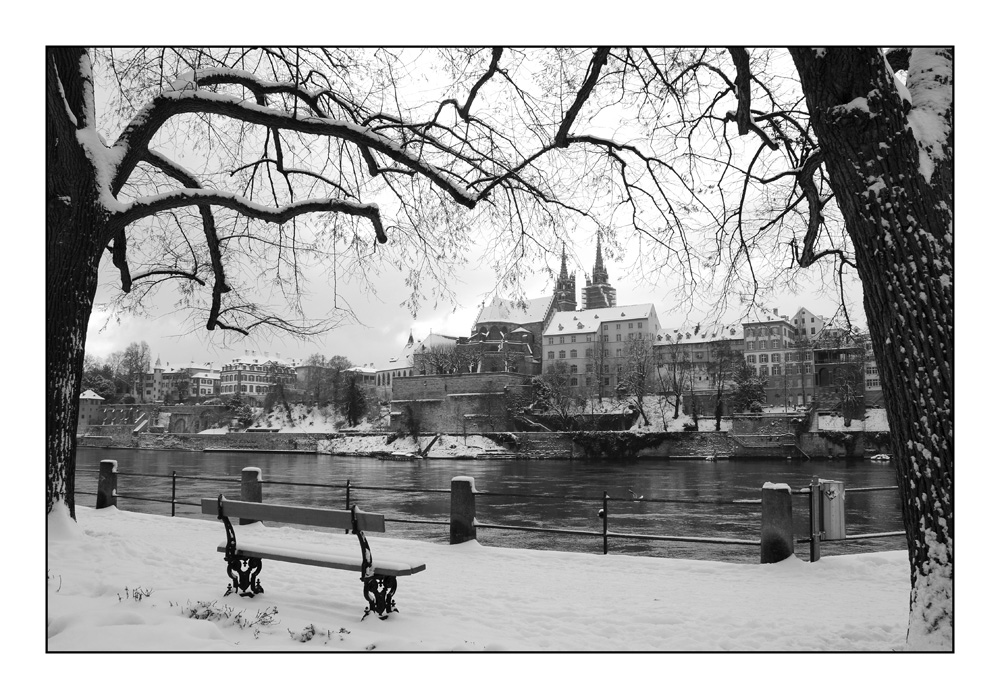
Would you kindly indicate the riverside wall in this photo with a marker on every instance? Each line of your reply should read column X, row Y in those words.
column 527, row 445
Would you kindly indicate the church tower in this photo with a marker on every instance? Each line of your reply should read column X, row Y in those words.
column 565, row 294
column 598, row 293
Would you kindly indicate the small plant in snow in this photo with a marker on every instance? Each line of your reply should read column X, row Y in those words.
column 228, row 616
column 137, row 593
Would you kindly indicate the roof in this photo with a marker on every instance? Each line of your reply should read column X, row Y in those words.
column 261, row 360
column 89, row 395
column 206, row 375
column 509, row 311
column 588, row 321
column 709, row 332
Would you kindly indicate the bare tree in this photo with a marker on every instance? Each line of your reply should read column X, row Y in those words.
column 721, row 367
column 136, row 360
column 639, row 367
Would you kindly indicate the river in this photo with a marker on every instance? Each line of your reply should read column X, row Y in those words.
column 704, row 496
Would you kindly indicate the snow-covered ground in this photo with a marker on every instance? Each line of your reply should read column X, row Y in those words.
column 127, row 581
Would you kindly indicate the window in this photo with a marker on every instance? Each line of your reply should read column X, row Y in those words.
column 763, row 359
column 562, row 354
column 607, row 368
column 607, row 353
column 606, row 337
column 750, row 346
column 630, row 326
column 618, row 337
column 775, row 357
column 640, row 325
column 589, row 368
column 572, row 354
column 574, row 381
column 572, row 369
column 562, row 340
column 572, row 338
column 589, row 352
column 552, row 355
column 618, row 352
column 607, row 381
column 776, row 370
column 812, row 331
column 751, row 359
column 588, row 380
column 590, row 338
column 763, row 371
column 629, row 336
column 551, row 340
column 774, row 344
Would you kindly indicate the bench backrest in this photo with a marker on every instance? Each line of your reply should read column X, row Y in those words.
column 289, row 514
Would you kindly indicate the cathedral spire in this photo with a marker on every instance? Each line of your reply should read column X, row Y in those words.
column 562, row 272
column 600, row 273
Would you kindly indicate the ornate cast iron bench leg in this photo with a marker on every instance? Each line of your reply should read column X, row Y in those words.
column 378, row 589
column 242, row 570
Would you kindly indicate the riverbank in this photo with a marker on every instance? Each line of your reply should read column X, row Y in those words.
column 128, row 581
column 522, row 445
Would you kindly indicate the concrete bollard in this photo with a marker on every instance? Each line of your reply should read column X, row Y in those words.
column 463, row 509
column 776, row 538
column 251, row 489
column 107, row 484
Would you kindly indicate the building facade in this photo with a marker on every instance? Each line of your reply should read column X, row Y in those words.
column 594, row 344
column 252, row 376
column 91, row 411
column 694, row 361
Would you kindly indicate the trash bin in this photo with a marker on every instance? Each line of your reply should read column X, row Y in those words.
column 832, row 510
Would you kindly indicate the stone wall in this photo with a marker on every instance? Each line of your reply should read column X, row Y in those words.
column 257, row 441
column 457, row 403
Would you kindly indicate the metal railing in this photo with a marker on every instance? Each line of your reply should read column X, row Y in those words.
column 604, row 513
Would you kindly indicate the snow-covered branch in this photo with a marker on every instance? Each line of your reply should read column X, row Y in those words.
column 147, row 206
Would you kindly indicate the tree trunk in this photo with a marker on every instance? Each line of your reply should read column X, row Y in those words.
column 899, row 220
column 74, row 245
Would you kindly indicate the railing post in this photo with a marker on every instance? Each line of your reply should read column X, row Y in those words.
column 834, row 525
column 107, row 484
column 815, row 528
column 604, row 516
column 463, row 509
column 173, row 493
column 776, row 537
column 251, row 489
column 348, row 531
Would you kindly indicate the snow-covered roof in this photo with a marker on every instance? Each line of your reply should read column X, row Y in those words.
column 588, row 321
column 206, row 375
column 89, row 395
column 507, row 311
column 260, row 360
column 708, row 332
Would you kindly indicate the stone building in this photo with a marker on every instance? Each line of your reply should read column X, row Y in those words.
column 593, row 343
column 251, row 377
column 697, row 358
column 91, row 411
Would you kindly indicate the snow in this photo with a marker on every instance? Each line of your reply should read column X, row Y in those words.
column 875, row 420
column 930, row 84
column 128, row 581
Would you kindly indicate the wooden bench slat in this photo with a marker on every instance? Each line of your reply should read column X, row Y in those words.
column 324, row 559
column 268, row 512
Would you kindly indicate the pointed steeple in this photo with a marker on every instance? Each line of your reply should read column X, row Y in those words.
column 600, row 273
column 565, row 294
column 409, row 342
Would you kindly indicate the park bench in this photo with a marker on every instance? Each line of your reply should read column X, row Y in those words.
column 243, row 560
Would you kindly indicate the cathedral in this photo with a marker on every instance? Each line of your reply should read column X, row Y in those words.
column 597, row 293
